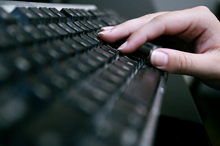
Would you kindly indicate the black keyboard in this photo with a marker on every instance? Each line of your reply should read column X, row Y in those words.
column 61, row 85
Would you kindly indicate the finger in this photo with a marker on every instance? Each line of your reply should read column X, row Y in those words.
column 112, row 34
column 186, row 24
column 204, row 66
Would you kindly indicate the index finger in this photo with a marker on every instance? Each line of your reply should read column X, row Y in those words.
column 189, row 24
column 127, row 28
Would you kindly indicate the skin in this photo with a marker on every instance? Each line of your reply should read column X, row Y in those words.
column 190, row 37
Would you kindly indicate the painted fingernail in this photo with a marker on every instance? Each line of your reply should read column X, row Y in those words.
column 159, row 58
column 123, row 46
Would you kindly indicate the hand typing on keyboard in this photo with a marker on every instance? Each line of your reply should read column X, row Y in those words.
column 196, row 30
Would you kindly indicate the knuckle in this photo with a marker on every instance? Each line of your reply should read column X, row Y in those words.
column 203, row 8
column 185, row 63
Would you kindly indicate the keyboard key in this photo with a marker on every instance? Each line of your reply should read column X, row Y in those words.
column 44, row 18
column 109, row 55
column 93, row 42
column 129, row 62
column 78, row 64
column 50, row 77
column 6, row 18
column 53, row 17
column 53, row 54
column 68, row 29
column 96, row 26
column 85, row 29
column 91, row 61
column 82, row 42
column 119, row 71
column 62, row 33
column 6, row 71
column 68, row 72
column 50, row 33
column 79, row 15
column 124, row 66
column 104, row 84
column 62, row 17
column 118, row 80
column 98, row 56
column 71, row 16
column 35, row 33
column 26, row 16
column 59, row 45
column 6, row 42
column 75, row 27
column 87, row 25
column 19, row 35
column 85, row 13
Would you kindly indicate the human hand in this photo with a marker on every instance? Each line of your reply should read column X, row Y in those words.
column 197, row 29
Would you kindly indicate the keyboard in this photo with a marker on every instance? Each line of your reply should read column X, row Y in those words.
column 60, row 84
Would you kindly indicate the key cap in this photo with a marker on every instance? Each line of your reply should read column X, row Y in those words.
column 75, row 27
column 104, row 84
column 6, row 18
column 6, row 42
column 53, row 17
column 51, row 34
column 97, row 27
column 79, row 15
column 130, row 62
column 109, row 55
column 35, row 57
column 86, row 14
column 69, row 14
column 35, row 33
column 6, row 71
column 59, row 45
column 119, row 71
column 78, row 64
column 44, row 18
column 62, row 17
column 90, row 27
column 68, row 29
column 68, row 72
column 62, row 33
column 98, row 56
column 82, row 42
column 20, row 35
column 93, row 42
column 96, row 94
column 118, row 80
column 124, row 66
column 48, row 50
column 99, row 23
column 91, row 61
column 52, row 78
column 25, row 16
column 76, row 46
column 85, row 29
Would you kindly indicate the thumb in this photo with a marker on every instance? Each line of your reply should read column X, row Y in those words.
column 179, row 62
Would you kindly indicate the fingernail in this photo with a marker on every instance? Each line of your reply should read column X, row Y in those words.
column 104, row 32
column 159, row 58
column 107, row 28
column 123, row 46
